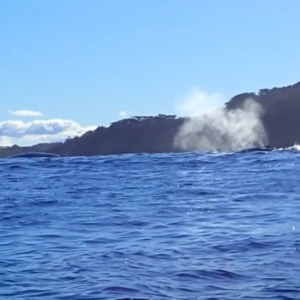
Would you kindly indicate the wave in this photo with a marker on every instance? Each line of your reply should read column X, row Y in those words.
column 268, row 148
column 295, row 147
column 256, row 149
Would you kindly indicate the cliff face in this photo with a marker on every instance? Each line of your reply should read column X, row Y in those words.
column 134, row 135
column 281, row 117
column 281, row 120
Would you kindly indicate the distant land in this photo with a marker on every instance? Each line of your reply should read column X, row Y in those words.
column 280, row 119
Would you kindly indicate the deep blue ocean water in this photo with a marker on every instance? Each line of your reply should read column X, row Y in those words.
column 167, row 226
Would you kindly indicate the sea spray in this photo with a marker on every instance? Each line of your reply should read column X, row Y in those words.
column 223, row 130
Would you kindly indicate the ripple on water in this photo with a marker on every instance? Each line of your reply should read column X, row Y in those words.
column 171, row 226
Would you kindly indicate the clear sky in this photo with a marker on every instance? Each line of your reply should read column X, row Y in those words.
column 69, row 65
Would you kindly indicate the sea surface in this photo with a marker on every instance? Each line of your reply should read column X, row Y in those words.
column 166, row 226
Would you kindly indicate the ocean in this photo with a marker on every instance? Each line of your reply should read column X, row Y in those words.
column 161, row 226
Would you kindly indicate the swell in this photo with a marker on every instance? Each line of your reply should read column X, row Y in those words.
column 172, row 226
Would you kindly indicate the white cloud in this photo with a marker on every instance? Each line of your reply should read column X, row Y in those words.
column 198, row 102
column 26, row 113
column 39, row 131
column 5, row 141
column 123, row 113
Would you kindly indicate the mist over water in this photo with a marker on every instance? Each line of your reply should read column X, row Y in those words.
column 223, row 130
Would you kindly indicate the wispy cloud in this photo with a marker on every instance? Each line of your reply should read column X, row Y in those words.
column 198, row 102
column 26, row 113
column 123, row 113
column 39, row 131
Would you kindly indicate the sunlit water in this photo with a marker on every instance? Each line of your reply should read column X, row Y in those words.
column 170, row 226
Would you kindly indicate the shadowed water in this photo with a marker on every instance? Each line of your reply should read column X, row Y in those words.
column 170, row 226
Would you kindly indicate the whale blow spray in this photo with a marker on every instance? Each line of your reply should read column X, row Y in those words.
column 223, row 130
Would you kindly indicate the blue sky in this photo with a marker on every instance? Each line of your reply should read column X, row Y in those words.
column 68, row 65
